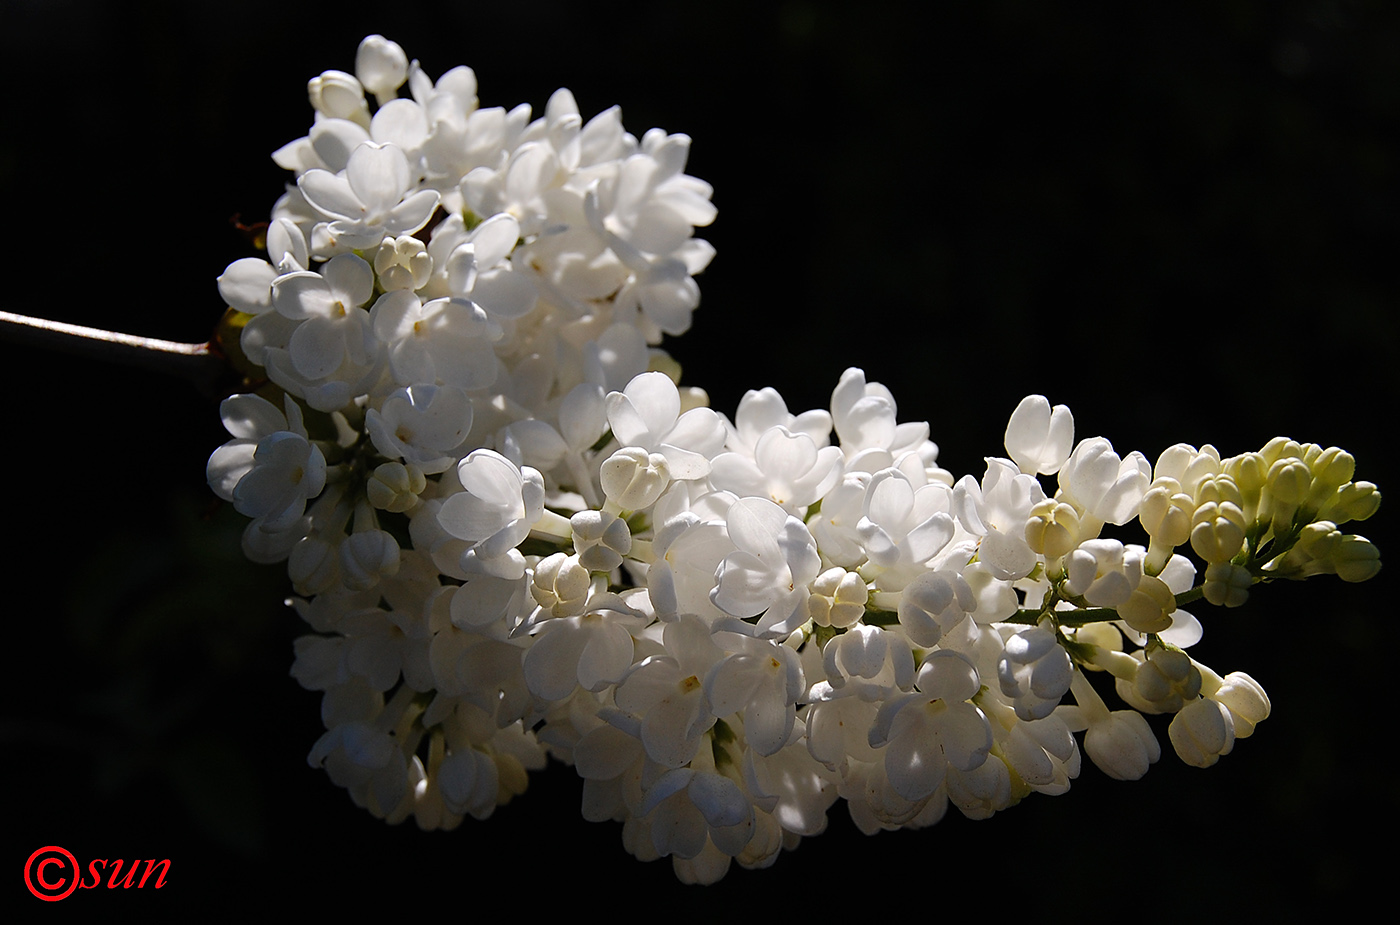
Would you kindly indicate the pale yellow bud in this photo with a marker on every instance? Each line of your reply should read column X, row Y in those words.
column 1280, row 448
column 395, row 487
column 1149, row 608
column 1246, row 700
column 1166, row 513
column 1309, row 555
column 1289, row 480
column 1250, row 475
column 1227, row 584
column 1053, row 528
column 1332, row 469
column 1352, row 501
column 1355, row 558
column 1218, row 532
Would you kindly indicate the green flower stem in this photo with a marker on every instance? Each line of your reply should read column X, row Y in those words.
column 1085, row 616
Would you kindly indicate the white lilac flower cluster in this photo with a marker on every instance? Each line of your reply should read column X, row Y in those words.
column 515, row 536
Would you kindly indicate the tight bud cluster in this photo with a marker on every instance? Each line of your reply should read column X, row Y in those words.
column 516, row 537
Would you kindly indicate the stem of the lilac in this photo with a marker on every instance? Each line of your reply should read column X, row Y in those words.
column 200, row 364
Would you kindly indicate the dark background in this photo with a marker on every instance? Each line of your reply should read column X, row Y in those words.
column 1178, row 218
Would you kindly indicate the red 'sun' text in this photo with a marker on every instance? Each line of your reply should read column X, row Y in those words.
column 52, row 873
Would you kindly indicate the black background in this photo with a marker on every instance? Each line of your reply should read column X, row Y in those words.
column 1179, row 219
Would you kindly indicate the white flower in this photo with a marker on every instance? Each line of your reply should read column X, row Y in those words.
column 592, row 649
column 868, row 660
column 788, row 468
column 1034, row 671
column 327, row 353
column 902, row 527
column 662, row 698
column 771, row 572
column 1101, row 484
column 443, row 342
column 494, row 512
column 997, row 510
column 1038, row 437
column 926, row 731
column 647, row 414
column 863, row 414
column 270, row 469
column 761, row 410
column 374, row 196
column 763, row 681
column 423, row 425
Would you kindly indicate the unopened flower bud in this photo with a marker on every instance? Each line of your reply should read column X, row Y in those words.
column 381, row 66
column 561, row 585
column 839, row 598
column 1289, row 481
column 1105, row 572
column 1247, row 701
column 1150, row 606
column 934, row 603
column 1250, row 475
column 601, row 540
column 1165, row 682
column 338, row 95
column 402, row 263
column 1332, row 469
column 1353, row 501
column 1166, row 513
column 1202, row 732
column 1053, row 528
column 633, row 478
column 1218, row 534
column 1280, row 448
column 1218, row 524
column 395, row 487
column 1355, row 558
column 1311, row 550
column 366, row 557
column 1204, row 465
column 1122, row 745
column 1227, row 584
column 313, row 566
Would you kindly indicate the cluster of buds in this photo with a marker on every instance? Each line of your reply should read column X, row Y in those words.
column 516, row 537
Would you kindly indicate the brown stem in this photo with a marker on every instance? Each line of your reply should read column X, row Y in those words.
column 203, row 365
